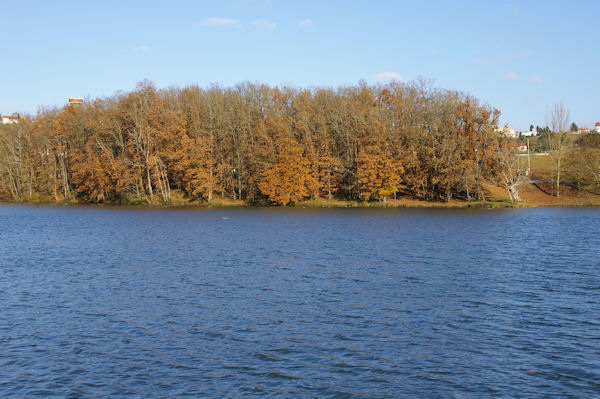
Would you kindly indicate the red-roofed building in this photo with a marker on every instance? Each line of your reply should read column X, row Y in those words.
column 597, row 128
column 521, row 147
column 14, row 118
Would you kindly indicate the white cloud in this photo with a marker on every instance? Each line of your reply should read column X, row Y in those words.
column 536, row 80
column 142, row 49
column 387, row 77
column 216, row 21
column 501, row 57
column 510, row 76
column 262, row 23
column 307, row 23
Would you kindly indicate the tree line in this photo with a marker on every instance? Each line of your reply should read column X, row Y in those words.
column 257, row 143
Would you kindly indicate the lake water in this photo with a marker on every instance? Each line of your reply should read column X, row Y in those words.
column 98, row 302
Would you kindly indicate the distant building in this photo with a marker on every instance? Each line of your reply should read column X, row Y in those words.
column 597, row 128
column 75, row 101
column 14, row 118
column 507, row 132
column 530, row 133
column 583, row 130
column 521, row 147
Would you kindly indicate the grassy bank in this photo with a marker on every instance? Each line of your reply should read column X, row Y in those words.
column 178, row 201
column 541, row 193
column 531, row 196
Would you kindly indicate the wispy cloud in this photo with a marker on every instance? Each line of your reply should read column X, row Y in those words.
column 142, row 49
column 501, row 57
column 263, row 23
column 217, row 21
column 536, row 80
column 510, row 76
column 307, row 23
column 387, row 77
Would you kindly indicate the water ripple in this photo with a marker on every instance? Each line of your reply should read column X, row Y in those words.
column 299, row 303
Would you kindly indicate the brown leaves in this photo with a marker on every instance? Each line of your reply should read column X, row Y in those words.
column 193, row 168
column 378, row 175
column 253, row 142
column 289, row 180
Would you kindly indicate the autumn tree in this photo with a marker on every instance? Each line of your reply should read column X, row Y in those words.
column 193, row 168
column 511, row 172
column 144, row 128
column 582, row 163
column 289, row 180
column 16, row 161
column 378, row 175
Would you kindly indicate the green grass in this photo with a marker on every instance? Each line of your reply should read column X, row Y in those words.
column 400, row 203
column 543, row 165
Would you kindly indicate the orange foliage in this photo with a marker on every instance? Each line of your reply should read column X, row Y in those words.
column 289, row 180
column 254, row 142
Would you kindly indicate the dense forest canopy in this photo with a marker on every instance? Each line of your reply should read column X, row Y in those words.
column 257, row 143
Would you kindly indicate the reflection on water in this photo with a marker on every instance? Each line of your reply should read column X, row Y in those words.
column 317, row 303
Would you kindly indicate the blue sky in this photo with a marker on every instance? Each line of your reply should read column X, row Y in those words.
column 519, row 56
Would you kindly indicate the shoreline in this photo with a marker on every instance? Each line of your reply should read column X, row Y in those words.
column 337, row 204
column 532, row 196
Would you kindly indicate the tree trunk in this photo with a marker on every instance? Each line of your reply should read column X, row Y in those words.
column 149, row 183
column 558, row 176
column 513, row 193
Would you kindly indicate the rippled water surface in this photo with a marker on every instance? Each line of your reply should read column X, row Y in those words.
column 299, row 303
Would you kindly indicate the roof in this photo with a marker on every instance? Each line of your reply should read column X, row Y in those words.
column 597, row 123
